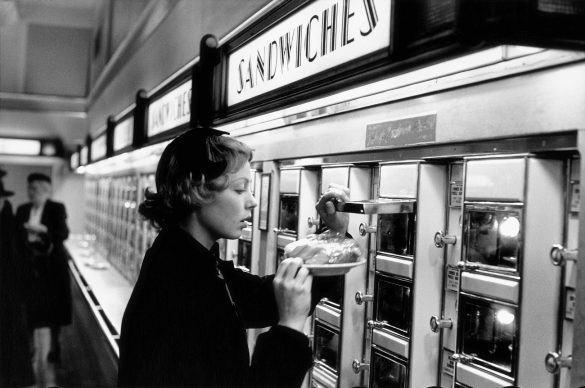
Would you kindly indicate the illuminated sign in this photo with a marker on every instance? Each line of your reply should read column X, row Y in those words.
column 318, row 37
column 20, row 146
column 123, row 133
column 74, row 161
column 171, row 110
column 83, row 156
column 98, row 147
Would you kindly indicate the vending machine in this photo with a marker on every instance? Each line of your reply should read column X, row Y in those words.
column 564, row 255
column 298, row 191
column 409, row 207
column 507, row 300
column 338, row 319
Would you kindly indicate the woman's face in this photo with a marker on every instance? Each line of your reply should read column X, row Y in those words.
column 38, row 192
column 225, row 216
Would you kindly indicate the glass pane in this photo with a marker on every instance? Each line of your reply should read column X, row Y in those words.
column 489, row 332
column 393, row 303
column 387, row 373
column 326, row 346
column 335, row 293
column 493, row 237
column 289, row 213
column 279, row 256
column 245, row 253
column 396, row 233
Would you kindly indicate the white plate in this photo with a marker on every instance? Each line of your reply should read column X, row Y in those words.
column 332, row 269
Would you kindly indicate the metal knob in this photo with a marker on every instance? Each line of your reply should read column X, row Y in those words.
column 371, row 324
column 553, row 362
column 438, row 324
column 359, row 366
column 278, row 230
column 559, row 255
column 313, row 222
column 467, row 266
column 442, row 239
column 362, row 298
column 365, row 229
column 462, row 358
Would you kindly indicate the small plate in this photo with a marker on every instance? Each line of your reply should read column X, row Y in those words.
column 332, row 269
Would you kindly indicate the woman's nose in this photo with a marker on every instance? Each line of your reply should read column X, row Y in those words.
column 252, row 203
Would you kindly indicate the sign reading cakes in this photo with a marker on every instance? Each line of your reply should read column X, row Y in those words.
column 318, row 37
column 171, row 110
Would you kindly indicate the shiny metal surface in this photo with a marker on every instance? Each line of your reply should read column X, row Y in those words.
column 441, row 239
column 560, row 255
column 437, row 324
column 382, row 206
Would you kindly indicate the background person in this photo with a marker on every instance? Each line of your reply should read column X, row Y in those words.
column 43, row 229
column 186, row 321
column 15, row 361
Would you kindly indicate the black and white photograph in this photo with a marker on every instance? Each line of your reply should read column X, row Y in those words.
column 292, row 193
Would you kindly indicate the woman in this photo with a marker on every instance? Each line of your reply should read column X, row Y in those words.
column 186, row 319
column 15, row 353
column 43, row 228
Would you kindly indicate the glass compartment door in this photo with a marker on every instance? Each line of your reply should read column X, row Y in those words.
column 245, row 254
column 326, row 346
column 387, row 371
column 289, row 214
column 393, row 303
column 489, row 333
column 396, row 233
column 493, row 237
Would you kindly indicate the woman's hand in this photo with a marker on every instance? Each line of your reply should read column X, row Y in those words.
column 335, row 221
column 292, row 289
column 35, row 228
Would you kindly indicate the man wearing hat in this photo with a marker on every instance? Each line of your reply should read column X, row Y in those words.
column 15, row 362
column 43, row 228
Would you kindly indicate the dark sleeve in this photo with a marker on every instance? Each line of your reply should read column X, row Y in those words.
column 281, row 358
column 58, row 230
column 254, row 297
column 323, row 287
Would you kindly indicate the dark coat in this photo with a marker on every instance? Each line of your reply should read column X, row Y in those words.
column 180, row 327
column 15, row 353
column 49, row 292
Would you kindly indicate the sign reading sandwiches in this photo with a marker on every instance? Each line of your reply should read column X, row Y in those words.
column 318, row 37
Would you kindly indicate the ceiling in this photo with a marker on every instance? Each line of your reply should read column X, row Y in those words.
column 44, row 46
column 51, row 54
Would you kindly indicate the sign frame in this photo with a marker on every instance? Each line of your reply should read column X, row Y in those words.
column 339, row 77
column 170, row 133
column 264, row 203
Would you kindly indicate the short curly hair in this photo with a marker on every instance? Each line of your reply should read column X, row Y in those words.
column 182, row 186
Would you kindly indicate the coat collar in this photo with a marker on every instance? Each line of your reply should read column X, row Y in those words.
column 207, row 260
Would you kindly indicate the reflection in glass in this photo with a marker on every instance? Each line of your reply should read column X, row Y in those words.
column 493, row 237
column 326, row 346
column 489, row 330
column 396, row 233
column 335, row 293
column 289, row 213
column 387, row 373
column 393, row 303
column 245, row 253
column 279, row 256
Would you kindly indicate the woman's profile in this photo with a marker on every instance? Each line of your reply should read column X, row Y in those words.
column 186, row 321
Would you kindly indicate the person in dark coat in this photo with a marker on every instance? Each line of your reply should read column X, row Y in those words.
column 15, row 353
column 43, row 228
column 185, row 324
